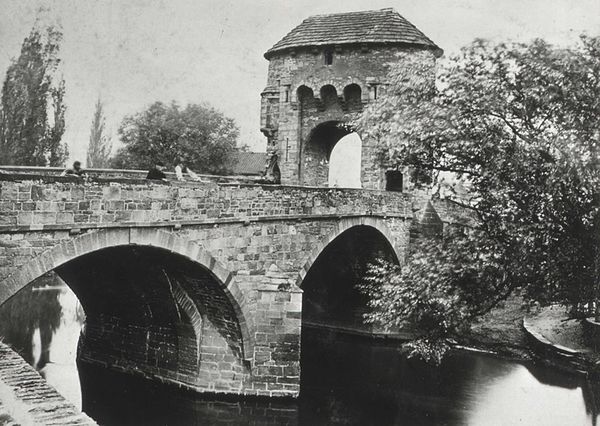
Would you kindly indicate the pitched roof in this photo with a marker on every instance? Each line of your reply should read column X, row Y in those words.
column 385, row 26
column 247, row 163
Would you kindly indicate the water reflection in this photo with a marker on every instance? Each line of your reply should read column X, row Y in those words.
column 345, row 381
column 516, row 397
column 42, row 323
column 351, row 381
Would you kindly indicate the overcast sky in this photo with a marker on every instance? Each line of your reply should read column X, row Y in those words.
column 134, row 52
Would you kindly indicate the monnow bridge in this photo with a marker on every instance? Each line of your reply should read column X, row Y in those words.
column 201, row 284
column 208, row 285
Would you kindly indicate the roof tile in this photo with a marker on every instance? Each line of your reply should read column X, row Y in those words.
column 371, row 26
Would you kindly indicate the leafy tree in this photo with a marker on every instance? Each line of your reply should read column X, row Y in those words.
column 99, row 147
column 198, row 134
column 32, row 109
column 518, row 126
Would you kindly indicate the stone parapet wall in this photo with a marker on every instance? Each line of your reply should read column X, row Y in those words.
column 38, row 205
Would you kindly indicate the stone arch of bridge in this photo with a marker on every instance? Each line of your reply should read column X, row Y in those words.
column 331, row 278
column 342, row 226
column 102, row 240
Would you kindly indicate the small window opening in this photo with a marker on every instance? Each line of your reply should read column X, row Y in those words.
column 393, row 180
column 374, row 92
column 328, row 57
column 286, row 95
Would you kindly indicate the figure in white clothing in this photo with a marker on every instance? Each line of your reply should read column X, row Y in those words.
column 181, row 168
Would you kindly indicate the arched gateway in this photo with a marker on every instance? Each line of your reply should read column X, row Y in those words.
column 329, row 68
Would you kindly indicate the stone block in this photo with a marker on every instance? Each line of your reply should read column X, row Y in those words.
column 24, row 218
column 65, row 217
column 112, row 192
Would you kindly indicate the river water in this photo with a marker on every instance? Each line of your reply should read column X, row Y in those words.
column 345, row 381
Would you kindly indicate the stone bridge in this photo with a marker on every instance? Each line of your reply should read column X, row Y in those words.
column 202, row 284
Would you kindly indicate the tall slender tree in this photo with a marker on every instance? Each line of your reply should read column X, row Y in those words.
column 98, row 154
column 32, row 109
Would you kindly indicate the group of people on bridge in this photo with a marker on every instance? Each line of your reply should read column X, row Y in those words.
column 270, row 175
column 156, row 172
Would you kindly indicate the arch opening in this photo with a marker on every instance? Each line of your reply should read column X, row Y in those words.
column 42, row 323
column 353, row 97
column 345, row 162
column 333, row 307
column 150, row 312
column 305, row 96
column 319, row 150
column 329, row 96
column 331, row 295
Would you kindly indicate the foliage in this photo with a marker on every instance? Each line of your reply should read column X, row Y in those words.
column 438, row 292
column 518, row 126
column 202, row 137
column 99, row 147
column 32, row 110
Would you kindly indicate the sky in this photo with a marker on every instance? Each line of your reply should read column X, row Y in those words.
column 131, row 53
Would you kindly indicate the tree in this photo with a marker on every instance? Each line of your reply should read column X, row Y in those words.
column 99, row 147
column 200, row 136
column 518, row 124
column 32, row 109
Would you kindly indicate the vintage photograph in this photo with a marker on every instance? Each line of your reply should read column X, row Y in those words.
column 266, row 212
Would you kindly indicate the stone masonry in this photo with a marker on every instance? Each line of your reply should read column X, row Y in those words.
column 201, row 284
column 26, row 398
column 193, row 284
column 325, row 71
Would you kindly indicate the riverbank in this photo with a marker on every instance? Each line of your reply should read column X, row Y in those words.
column 501, row 332
column 546, row 337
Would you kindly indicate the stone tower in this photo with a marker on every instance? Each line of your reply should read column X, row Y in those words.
column 322, row 73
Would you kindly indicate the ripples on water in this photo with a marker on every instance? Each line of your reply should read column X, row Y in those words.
column 345, row 380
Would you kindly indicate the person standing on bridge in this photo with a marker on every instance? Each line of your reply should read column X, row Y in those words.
column 156, row 172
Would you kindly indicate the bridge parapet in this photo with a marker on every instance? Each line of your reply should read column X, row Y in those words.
column 48, row 202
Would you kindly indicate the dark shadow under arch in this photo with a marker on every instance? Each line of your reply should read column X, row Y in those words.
column 305, row 96
column 138, row 285
column 329, row 96
column 324, row 136
column 331, row 296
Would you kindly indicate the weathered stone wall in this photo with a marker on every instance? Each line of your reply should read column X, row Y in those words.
column 236, row 311
column 26, row 398
column 287, row 122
